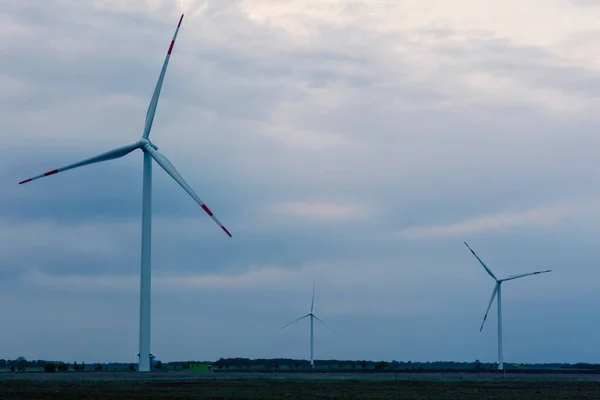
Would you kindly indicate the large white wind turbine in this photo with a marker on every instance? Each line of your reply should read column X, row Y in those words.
column 150, row 152
column 312, row 332
column 497, row 291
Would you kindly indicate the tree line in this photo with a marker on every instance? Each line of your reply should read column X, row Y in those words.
column 21, row 364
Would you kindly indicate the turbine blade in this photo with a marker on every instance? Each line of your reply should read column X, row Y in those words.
column 481, row 262
column 296, row 320
column 494, row 293
column 154, row 102
column 170, row 169
column 313, row 298
column 318, row 319
column 524, row 275
column 109, row 155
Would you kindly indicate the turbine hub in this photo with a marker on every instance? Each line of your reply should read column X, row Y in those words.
column 143, row 142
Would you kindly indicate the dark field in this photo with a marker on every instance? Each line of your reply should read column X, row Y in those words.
column 408, row 386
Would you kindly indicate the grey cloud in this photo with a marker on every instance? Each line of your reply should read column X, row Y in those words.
column 589, row 3
column 533, row 66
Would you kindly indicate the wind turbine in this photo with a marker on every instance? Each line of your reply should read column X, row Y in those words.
column 150, row 152
column 312, row 332
column 498, row 291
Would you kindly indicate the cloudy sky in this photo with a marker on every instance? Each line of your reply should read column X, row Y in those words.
column 354, row 143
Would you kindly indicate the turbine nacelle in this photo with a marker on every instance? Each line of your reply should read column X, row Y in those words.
column 144, row 142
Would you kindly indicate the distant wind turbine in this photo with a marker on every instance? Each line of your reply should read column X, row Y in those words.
column 497, row 291
column 150, row 152
column 312, row 333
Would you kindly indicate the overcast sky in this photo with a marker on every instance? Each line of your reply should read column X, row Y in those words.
column 354, row 143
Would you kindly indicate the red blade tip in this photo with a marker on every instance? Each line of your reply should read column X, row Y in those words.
column 226, row 231
column 25, row 181
column 180, row 19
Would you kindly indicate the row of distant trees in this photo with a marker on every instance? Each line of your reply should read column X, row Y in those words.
column 244, row 364
column 291, row 364
column 278, row 364
column 62, row 367
column 21, row 364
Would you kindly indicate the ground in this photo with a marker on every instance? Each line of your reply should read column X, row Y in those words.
column 129, row 385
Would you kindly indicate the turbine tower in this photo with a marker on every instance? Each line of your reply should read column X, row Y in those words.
column 150, row 151
column 498, row 291
column 312, row 332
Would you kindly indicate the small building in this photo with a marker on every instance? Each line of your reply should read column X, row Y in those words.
column 200, row 367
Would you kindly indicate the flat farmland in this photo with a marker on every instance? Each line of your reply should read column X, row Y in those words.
column 430, row 386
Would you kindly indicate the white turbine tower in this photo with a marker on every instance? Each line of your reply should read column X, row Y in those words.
column 150, row 152
column 312, row 332
column 498, row 291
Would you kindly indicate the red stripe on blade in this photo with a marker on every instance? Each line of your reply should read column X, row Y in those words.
column 180, row 19
column 207, row 210
column 25, row 181
column 171, row 47
column 51, row 172
column 226, row 231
